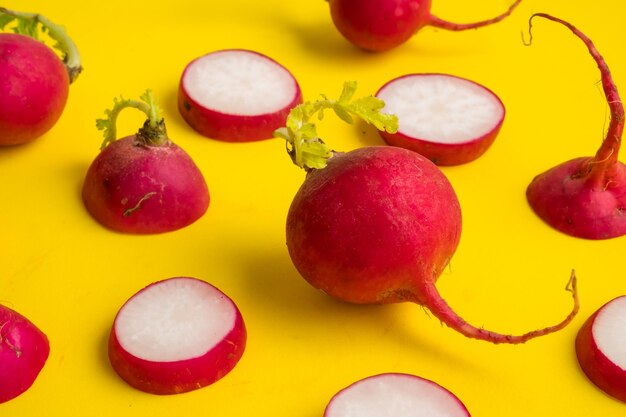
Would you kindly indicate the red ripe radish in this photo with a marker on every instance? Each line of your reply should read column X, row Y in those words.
column 380, row 25
column 395, row 395
column 448, row 119
column 143, row 183
column 237, row 95
column 377, row 224
column 601, row 348
column 586, row 197
column 34, row 81
column 176, row 335
column 24, row 350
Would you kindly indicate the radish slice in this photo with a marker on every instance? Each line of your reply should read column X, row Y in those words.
column 601, row 348
column 395, row 395
column 176, row 335
column 237, row 95
column 448, row 119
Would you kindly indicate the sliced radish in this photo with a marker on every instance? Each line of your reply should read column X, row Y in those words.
column 237, row 95
column 395, row 395
column 601, row 348
column 24, row 350
column 176, row 335
column 448, row 119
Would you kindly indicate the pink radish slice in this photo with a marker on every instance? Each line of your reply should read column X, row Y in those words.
column 448, row 119
column 175, row 336
column 601, row 348
column 395, row 395
column 237, row 95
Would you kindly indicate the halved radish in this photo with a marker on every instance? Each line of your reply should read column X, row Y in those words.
column 395, row 395
column 448, row 119
column 601, row 348
column 176, row 335
column 237, row 95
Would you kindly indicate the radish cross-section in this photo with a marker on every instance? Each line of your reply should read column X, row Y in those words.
column 395, row 395
column 176, row 335
column 237, row 95
column 448, row 119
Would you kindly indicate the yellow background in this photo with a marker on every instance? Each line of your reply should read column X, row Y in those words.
column 70, row 276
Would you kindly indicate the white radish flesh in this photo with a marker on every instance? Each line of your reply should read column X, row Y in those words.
column 176, row 335
column 237, row 95
column 395, row 395
column 448, row 119
column 601, row 348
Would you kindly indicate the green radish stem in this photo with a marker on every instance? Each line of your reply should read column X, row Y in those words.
column 27, row 24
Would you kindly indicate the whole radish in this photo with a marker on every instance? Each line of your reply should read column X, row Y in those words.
column 24, row 350
column 377, row 224
column 34, row 81
column 143, row 183
column 380, row 25
column 586, row 197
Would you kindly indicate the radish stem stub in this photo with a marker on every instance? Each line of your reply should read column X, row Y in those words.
column 176, row 335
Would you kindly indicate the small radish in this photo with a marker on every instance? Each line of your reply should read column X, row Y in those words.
column 237, row 95
column 380, row 25
column 143, row 183
column 24, row 350
column 395, row 395
column 34, row 82
column 586, row 197
column 176, row 335
column 447, row 119
column 377, row 224
column 601, row 348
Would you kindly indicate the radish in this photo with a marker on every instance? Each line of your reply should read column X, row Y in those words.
column 24, row 350
column 601, row 348
column 34, row 82
column 143, row 183
column 586, row 197
column 237, row 95
column 380, row 25
column 176, row 335
column 377, row 224
column 395, row 395
column 448, row 119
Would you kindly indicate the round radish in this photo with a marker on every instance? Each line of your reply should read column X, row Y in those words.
column 601, row 348
column 395, row 395
column 143, row 183
column 34, row 82
column 24, row 350
column 377, row 224
column 379, row 25
column 449, row 120
column 586, row 197
column 176, row 335
column 237, row 95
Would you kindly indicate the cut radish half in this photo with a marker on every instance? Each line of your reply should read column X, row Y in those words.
column 395, row 395
column 237, row 95
column 601, row 348
column 176, row 335
column 448, row 119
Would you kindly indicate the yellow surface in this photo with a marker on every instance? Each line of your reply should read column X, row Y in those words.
column 70, row 276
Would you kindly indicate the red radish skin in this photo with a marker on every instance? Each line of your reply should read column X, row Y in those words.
column 395, row 395
column 586, row 197
column 380, row 25
column 600, row 348
column 378, row 225
column 237, row 95
column 24, row 350
column 34, row 81
column 448, row 119
column 144, row 183
column 175, row 336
